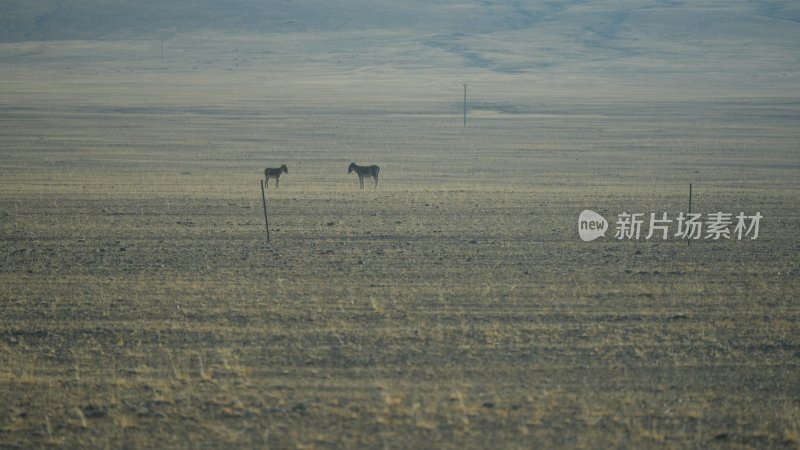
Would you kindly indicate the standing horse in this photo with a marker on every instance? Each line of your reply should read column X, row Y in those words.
column 274, row 173
column 364, row 171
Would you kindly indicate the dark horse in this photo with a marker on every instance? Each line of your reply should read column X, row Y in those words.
column 364, row 171
column 274, row 173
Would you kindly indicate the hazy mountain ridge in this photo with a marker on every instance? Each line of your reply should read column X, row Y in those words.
column 735, row 45
column 108, row 19
column 22, row 20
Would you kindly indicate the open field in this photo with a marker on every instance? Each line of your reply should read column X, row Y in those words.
column 452, row 307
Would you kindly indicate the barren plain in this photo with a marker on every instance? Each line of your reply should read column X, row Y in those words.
column 454, row 306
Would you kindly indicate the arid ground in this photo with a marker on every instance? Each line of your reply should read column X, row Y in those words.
column 454, row 306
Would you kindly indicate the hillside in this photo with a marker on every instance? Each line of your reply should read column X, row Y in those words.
column 727, row 43
column 108, row 19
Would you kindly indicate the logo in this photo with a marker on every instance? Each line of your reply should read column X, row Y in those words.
column 689, row 226
column 591, row 225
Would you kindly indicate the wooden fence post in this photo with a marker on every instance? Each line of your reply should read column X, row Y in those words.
column 264, row 201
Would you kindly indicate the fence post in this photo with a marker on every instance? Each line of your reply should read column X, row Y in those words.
column 264, row 201
column 689, row 241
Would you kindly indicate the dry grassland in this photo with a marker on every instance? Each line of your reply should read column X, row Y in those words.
column 452, row 307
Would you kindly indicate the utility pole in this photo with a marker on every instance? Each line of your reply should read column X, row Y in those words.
column 465, row 104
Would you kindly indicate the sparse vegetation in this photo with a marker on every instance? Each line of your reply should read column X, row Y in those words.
column 452, row 307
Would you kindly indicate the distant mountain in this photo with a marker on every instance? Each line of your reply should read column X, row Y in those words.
column 119, row 19
column 729, row 44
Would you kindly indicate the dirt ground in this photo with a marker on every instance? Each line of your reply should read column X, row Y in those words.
column 454, row 306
